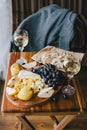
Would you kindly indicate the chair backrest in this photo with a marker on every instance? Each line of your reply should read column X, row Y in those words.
column 79, row 41
column 22, row 9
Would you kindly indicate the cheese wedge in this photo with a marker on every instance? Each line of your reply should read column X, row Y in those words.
column 27, row 74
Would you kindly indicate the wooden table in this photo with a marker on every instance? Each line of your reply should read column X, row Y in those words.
column 70, row 107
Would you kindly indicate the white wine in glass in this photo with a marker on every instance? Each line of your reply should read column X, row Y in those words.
column 71, row 68
column 21, row 40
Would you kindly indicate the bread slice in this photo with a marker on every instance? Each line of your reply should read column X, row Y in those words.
column 56, row 56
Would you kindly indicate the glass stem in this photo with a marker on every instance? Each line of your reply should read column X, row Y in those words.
column 21, row 50
column 69, row 79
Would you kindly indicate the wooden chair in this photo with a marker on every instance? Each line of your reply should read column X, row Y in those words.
column 23, row 9
column 78, row 43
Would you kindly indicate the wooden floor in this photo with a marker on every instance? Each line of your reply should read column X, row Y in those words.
column 44, row 122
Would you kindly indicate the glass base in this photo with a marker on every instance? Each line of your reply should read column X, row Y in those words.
column 68, row 90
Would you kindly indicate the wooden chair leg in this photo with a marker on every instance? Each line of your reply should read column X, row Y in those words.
column 19, row 125
column 16, row 125
column 66, row 120
column 55, row 121
column 26, row 122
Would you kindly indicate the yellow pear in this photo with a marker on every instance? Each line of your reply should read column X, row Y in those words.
column 15, row 68
column 25, row 93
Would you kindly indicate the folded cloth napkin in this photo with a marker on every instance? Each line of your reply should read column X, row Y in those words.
column 51, row 25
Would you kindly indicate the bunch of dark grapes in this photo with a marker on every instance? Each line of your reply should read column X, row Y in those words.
column 52, row 77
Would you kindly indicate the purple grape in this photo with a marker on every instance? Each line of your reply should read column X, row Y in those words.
column 55, row 98
column 50, row 85
column 54, row 75
column 54, row 79
column 31, row 69
column 65, row 96
column 50, row 74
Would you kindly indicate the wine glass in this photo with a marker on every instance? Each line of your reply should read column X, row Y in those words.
column 21, row 40
column 71, row 67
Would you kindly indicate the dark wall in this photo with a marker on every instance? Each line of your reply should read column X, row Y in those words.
column 24, row 8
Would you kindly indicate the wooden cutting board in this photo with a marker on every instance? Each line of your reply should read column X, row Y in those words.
column 33, row 102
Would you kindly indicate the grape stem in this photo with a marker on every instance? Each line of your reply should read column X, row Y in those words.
column 69, row 78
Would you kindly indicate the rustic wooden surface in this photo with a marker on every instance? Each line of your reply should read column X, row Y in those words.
column 73, row 104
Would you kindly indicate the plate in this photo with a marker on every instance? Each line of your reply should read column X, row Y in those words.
column 33, row 102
